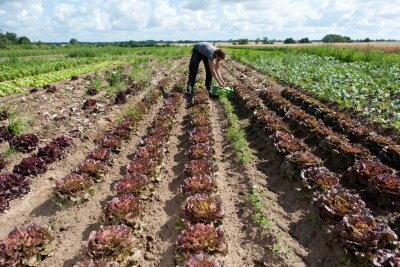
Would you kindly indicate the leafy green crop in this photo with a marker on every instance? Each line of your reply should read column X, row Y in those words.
column 371, row 89
column 20, row 84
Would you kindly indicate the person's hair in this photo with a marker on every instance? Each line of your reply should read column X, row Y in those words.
column 219, row 53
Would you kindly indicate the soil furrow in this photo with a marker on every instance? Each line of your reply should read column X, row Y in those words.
column 161, row 219
column 247, row 177
column 229, row 190
column 304, row 223
column 76, row 223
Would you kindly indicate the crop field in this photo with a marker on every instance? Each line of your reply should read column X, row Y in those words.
column 105, row 161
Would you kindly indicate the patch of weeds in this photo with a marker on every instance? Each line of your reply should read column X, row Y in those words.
column 236, row 133
column 280, row 246
column 15, row 124
column 9, row 151
column 118, row 87
column 258, row 216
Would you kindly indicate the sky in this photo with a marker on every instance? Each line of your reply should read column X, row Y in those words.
column 123, row 20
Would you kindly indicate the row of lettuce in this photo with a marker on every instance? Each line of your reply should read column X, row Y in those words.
column 29, row 245
column 371, row 89
column 367, row 238
column 201, row 238
column 115, row 243
column 19, row 85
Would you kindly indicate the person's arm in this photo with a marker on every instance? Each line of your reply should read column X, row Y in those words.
column 217, row 64
column 214, row 73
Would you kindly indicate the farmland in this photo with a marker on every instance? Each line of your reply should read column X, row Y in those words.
column 106, row 162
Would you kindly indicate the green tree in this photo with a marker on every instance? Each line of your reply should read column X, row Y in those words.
column 304, row 41
column 335, row 38
column 24, row 40
column 265, row 40
column 11, row 37
column 289, row 41
column 257, row 40
column 243, row 41
column 73, row 41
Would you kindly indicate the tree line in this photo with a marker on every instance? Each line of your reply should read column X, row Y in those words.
column 10, row 38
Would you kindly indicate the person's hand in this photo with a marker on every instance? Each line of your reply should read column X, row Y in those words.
column 221, row 84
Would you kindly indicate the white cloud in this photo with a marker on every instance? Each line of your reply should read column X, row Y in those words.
column 113, row 20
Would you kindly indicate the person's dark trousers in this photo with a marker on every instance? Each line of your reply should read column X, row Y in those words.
column 194, row 67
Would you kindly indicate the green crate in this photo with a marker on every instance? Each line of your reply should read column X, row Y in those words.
column 222, row 91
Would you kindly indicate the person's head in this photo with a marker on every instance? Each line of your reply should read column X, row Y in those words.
column 219, row 54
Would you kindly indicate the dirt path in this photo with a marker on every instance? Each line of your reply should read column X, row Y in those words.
column 238, row 181
column 293, row 212
column 160, row 234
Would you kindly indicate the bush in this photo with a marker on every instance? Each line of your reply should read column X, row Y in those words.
column 289, row 41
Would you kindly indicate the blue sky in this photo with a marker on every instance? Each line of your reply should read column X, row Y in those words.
column 115, row 20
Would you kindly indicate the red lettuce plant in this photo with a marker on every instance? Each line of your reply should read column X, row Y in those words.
column 334, row 204
column 4, row 205
column 127, row 123
column 154, row 141
column 364, row 170
column 13, row 186
column 200, row 109
column 201, row 134
column 386, row 258
column 201, row 151
column 201, row 119
column 94, row 168
column 121, row 132
column 24, row 142
column 31, row 166
column 26, row 246
column 386, row 183
column 124, row 209
column 112, row 243
column 133, row 183
column 112, row 141
column 202, row 238
column 319, row 177
column 100, row 153
column 297, row 161
column 199, row 184
column 204, row 209
column 92, row 91
column 200, row 98
column 50, row 89
column 51, row 153
column 202, row 260
column 199, row 167
column 149, row 151
column 286, row 143
column 120, row 98
column 63, row 141
column 160, row 132
column 377, row 142
column 363, row 234
column 391, row 155
column 274, row 127
column 144, row 166
column 90, row 103
column 74, row 188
